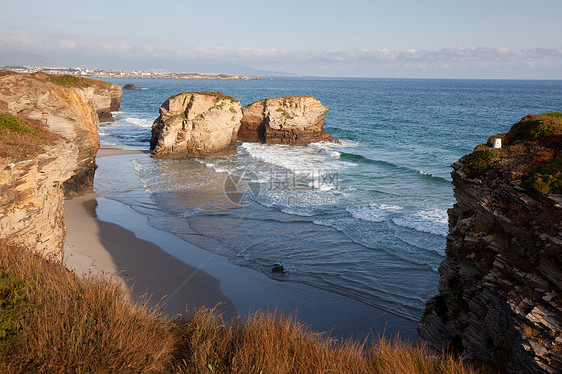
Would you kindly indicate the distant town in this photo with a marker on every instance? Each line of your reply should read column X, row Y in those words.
column 98, row 73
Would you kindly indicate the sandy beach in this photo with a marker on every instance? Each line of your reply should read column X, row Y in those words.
column 105, row 236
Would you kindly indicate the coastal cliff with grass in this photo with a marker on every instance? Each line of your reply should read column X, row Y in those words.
column 49, row 140
column 499, row 301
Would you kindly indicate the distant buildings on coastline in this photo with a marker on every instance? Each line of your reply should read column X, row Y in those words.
column 98, row 73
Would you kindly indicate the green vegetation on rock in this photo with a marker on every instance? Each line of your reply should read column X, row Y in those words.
column 546, row 178
column 15, row 124
column 537, row 127
column 481, row 160
column 21, row 138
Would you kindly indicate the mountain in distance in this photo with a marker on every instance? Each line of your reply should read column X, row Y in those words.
column 225, row 68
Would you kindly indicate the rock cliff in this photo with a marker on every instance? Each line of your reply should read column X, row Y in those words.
column 48, row 142
column 196, row 124
column 500, row 292
column 32, row 201
column 107, row 99
column 67, row 105
column 296, row 120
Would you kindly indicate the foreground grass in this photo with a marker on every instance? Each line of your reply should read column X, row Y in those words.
column 54, row 322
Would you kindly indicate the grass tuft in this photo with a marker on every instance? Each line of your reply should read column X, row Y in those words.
column 23, row 138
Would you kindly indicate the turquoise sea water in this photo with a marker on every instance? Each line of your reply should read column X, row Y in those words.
column 367, row 218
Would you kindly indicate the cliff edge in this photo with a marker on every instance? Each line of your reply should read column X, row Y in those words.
column 48, row 143
column 500, row 291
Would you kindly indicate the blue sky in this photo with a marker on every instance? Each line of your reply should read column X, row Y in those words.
column 432, row 38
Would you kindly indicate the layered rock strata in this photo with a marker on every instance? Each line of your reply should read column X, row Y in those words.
column 295, row 120
column 33, row 187
column 196, row 124
column 67, row 106
column 500, row 292
column 32, row 199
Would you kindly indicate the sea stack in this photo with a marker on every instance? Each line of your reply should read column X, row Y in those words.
column 295, row 120
column 500, row 292
column 196, row 124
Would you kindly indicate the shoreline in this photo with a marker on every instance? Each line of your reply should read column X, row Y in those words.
column 104, row 235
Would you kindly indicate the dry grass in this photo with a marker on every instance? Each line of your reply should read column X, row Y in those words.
column 22, row 138
column 54, row 322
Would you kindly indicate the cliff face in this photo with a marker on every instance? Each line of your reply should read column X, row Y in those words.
column 67, row 105
column 48, row 143
column 500, row 292
column 296, row 120
column 107, row 99
column 196, row 124
column 32, row 199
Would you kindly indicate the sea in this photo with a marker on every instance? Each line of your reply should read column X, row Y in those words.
column 366, row 218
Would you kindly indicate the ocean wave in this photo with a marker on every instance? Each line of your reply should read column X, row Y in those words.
column 356, row 158
column 433, row 221
column 367, row 213
column 294, row 158
column 141, row 122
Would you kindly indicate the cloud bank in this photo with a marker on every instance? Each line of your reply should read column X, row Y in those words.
column 444, row 62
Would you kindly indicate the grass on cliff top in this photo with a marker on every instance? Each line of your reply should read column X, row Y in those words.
column 23, row 138
column 54, row 322
column 218, row 95
column 67, row 80
column 531, row 151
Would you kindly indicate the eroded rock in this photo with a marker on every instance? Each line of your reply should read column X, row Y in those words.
column 295, row 120
column 196, row 124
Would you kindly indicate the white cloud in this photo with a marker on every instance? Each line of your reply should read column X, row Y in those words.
column 445, row 58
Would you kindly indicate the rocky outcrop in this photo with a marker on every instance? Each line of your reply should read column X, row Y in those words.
column 296, row 120
column 107, row 99
column 32, row 199
column 500, row 292
column 130, row 86
column 67, row 106
column 47, row 154
column 196, row 124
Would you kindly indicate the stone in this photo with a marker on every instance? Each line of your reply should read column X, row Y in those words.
column 67, row 106
column 130, row 86
column 196, row 124
column 294, row 120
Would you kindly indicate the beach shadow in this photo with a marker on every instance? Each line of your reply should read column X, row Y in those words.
column 149, row 271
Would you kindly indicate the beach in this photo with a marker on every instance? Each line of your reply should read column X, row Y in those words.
column 105, row 236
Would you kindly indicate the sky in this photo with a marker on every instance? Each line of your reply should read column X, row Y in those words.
column 354, row 38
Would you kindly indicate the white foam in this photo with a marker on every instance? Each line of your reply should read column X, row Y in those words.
column 294, row 158
column 141, row 122
column 432, row 221
column 367, row 213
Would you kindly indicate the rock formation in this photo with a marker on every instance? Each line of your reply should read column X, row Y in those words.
column 500, row 292
column 32, row 199
column 130, row 86
column 67, row 105
column 296, row 120
column 107, row 99
column 59, row 159
column 196, row 124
